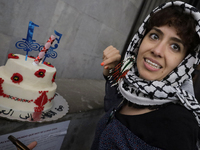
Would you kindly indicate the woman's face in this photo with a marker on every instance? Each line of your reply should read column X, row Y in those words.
column 160, row 52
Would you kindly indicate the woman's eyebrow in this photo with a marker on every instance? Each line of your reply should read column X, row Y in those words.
column 157, row 30
column 177, row 40
column 172, row 38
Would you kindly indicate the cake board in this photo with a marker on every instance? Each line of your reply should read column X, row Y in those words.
column 59, row 109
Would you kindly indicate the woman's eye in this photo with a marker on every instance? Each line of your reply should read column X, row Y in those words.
column 154, row 36
column 175, row 47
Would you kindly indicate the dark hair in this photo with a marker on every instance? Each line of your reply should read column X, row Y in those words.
column 183, row 23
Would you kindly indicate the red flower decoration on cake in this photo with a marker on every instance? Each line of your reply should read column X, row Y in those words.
column 13, row 56
column 48, row 64
column 54, row 77
column 40, row 73
column 16, row 78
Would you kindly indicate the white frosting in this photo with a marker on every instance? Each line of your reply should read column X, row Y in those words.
column 29, row 88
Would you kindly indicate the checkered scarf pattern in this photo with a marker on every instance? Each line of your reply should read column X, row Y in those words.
column 174, row 87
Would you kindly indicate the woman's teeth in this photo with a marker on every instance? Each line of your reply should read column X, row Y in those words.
column 152, row 64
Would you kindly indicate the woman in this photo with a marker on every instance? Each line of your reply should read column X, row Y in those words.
column 150, row 99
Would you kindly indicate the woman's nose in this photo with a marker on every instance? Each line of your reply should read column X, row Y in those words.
column 158, row 49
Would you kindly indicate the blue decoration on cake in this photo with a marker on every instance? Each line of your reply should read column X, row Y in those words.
column 28, row 44
column 51, row 53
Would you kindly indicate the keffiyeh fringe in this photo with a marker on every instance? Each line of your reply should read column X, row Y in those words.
column 121, row 70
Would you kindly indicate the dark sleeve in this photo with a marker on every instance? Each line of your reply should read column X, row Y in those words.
column 184, row 131
column 111, row 97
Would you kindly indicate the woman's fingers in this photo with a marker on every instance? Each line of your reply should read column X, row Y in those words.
column 109, row 51
column 111, row 57
column 32, row 145
column 111, row 62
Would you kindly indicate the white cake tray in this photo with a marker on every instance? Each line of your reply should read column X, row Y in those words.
column 59, row 109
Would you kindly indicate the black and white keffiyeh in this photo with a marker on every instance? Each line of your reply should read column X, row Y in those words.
column 176, row 87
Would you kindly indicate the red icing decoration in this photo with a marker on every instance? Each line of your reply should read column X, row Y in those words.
column 48, row 64
column 11, row 55
column 41, row 101
column 40, row 73
column 38, row 109
column 1, row 89
column 31, row 57
column 36, row 116
column 16, row 78
column 54, row 77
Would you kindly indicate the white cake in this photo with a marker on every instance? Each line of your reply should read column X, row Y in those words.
column 25, row 87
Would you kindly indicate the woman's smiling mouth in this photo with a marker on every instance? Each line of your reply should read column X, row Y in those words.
column 152, row 66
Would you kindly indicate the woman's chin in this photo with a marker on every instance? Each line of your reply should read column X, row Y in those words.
column 150, row 77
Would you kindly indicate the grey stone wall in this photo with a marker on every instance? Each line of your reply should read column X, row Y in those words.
column 88, row 27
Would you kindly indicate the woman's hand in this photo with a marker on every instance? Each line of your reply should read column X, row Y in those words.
column 111, row 57
column 32, row 145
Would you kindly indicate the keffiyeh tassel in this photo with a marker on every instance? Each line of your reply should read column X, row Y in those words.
column 121, row 70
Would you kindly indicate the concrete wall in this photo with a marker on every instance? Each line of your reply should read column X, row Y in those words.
column 88, row 27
